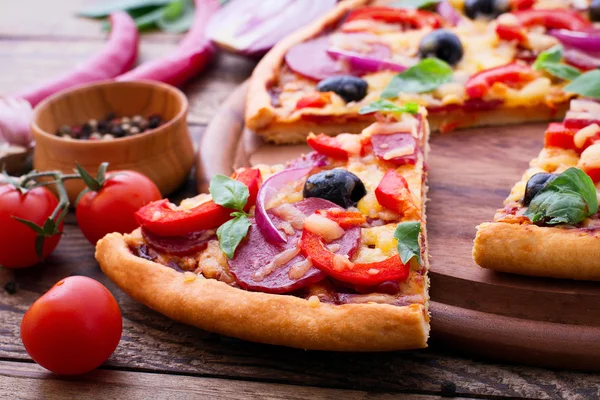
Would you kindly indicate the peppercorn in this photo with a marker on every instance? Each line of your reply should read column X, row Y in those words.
column 111, row 127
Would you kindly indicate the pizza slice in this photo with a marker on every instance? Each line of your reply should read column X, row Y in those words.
column 549, row 225
column 468, row 69
column 326, row 252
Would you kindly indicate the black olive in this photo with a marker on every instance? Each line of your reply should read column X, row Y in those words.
column 337, row 185
column 442, row 44
column 486, row 8
column 595, row 10
column 536, row 183
column 348, row 87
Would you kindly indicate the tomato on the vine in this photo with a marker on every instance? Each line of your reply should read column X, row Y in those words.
column 72, row 328
column 17, row 240
column 111, row 203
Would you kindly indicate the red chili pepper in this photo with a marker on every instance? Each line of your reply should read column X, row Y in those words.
column 558, row 135
column 345, row 219
column 327, row 145
column 188, row 59
column 370, row 274
column 314, row 100
column 413, row 18
column 479, row 84
column 393, row 193
column 117, row 56
column 161, row 219
column 557, row 18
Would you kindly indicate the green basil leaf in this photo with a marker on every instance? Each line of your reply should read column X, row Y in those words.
column 587, row 85
column 149, row 20
column 228, row 192
column 423, row 77
column 105, row 8
column 408, row 234
column 177, row 17
column 232, row 232
column 552, row 55
column 387, row 106
column 412, row 4
column 567, row 199
column 550, row 61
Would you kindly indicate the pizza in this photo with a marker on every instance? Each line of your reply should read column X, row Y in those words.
column 471, row 63
column 549, row 225
column 326, row 252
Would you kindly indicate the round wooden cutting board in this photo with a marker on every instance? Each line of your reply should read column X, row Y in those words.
column 545, row 322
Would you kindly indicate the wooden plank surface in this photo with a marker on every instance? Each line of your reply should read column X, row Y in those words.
column 158, row 354
column 29, row 381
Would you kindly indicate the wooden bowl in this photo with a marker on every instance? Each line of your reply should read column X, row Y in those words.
column 164, row 154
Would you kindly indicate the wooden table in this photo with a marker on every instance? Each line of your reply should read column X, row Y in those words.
column 159, row 358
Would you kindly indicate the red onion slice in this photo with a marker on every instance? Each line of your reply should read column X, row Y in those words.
column 449, row 13
column 266, row 192
column 581, row 59
column 588, row 41
column 252, row 27
column 376, row 60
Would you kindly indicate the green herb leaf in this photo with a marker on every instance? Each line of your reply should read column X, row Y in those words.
column 567, row 199
column 228, row 192
column 423, row 77
column 148, row 20
column 387, row 106
column 177, row 17
column 550, row 61
column 408, row 234
column 232, row 232
column 412, row 4
column 587, row 84
column 105, row 8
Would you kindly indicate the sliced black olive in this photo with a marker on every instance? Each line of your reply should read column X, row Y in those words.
column 442, row 44
column 486, row 8
column 348, row 87
column 595, row 10
column 337, row 185
column 536, row 183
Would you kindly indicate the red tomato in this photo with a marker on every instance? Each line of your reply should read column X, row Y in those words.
column 17, row 241
column 327, row 145
column 112, row 209
column 72, row 328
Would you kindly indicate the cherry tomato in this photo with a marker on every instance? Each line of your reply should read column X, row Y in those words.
column 17, row 241
column 113, row 207
column 72, row 328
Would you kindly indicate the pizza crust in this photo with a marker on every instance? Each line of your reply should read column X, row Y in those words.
column 274, row 319
column 538, row 251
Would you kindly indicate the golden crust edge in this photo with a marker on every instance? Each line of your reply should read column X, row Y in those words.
column 259, row 111
column 538, row 251
column 260, row 317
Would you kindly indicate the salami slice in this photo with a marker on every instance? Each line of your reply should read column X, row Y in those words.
column 310, row 59
column 253, row 266
column 178, row 245
column 404, row 144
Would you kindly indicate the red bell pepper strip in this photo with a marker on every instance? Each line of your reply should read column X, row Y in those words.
column 511, row 32
column 163, row 219
column 327, row 145
column 189, row 58
column 314, row 100
column 558, row 135
column 550, row 19
column 345, row 219
column 413, row 18
column 593, row 173
column 393, row 193
column 117, row 56
column 514, row 73
column 553, row 19
column 369, row 274
column 522, row 4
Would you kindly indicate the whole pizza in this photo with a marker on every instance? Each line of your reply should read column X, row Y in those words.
column 329, row 251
